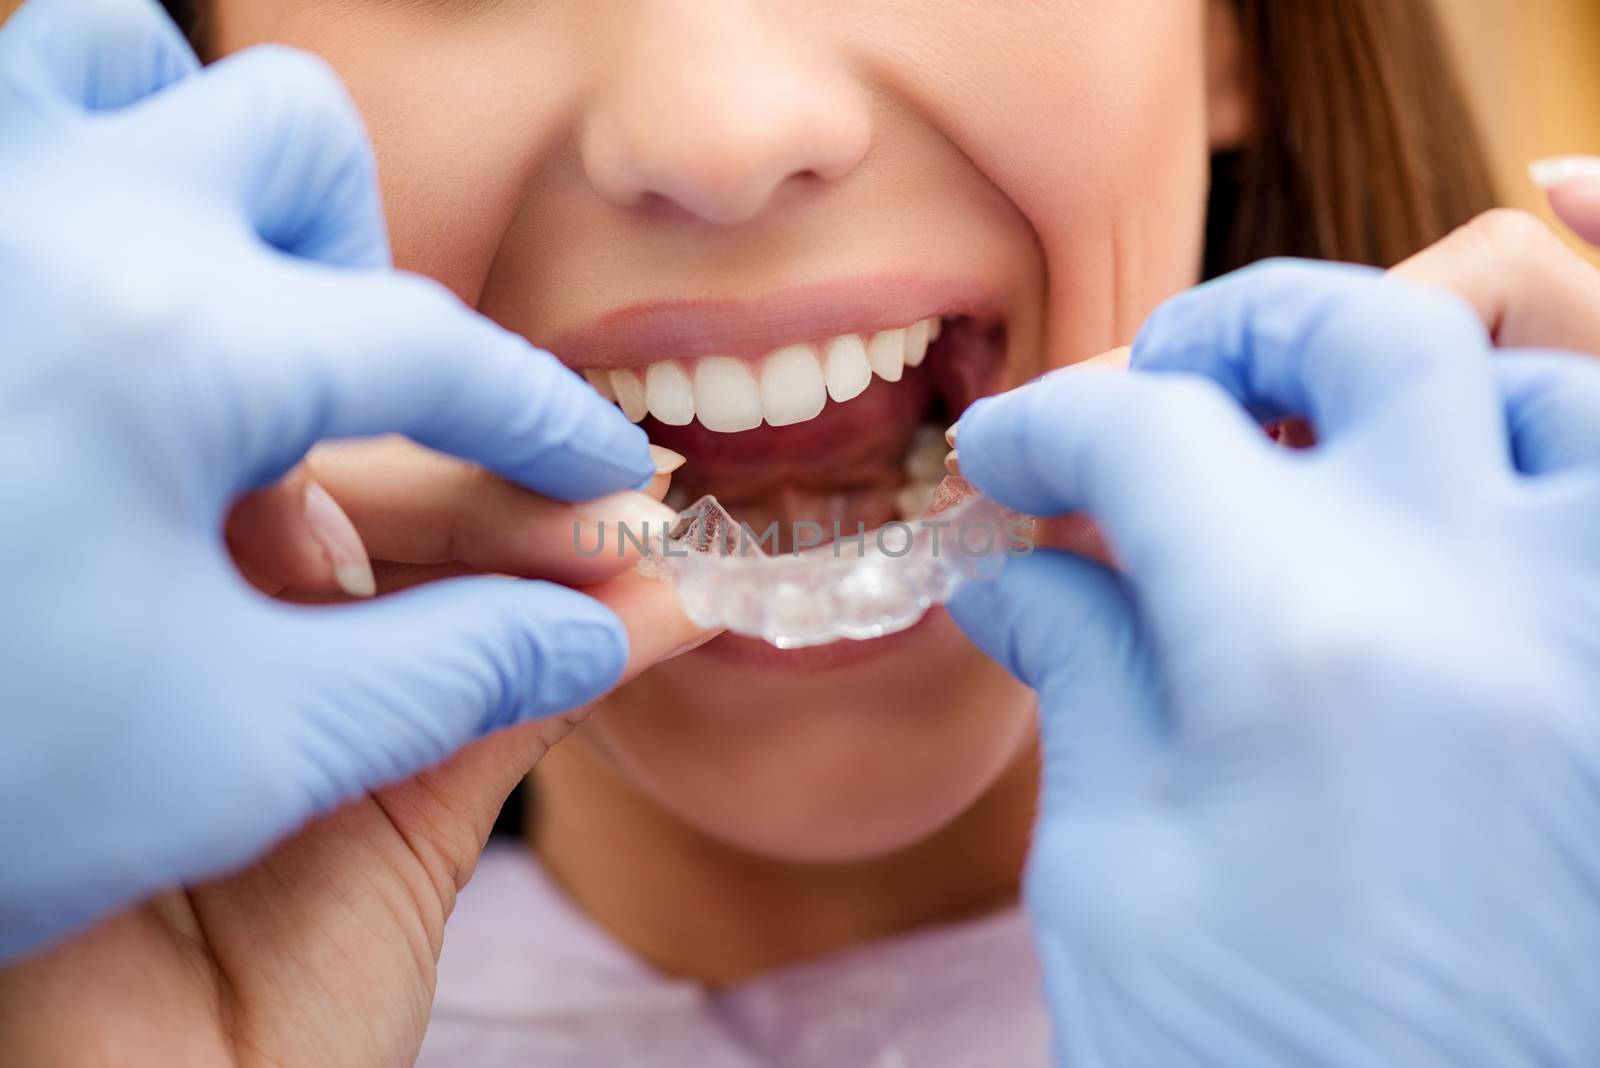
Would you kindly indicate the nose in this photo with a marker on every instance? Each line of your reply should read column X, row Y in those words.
column 711, row 106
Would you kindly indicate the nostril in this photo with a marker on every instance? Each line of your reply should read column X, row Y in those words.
column 722, row 156
column 721, row 183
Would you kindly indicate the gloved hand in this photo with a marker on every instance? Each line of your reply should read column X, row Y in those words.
column 195, row 287
column 1322, row 758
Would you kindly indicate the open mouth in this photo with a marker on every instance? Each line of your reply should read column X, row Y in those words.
column 842, row 432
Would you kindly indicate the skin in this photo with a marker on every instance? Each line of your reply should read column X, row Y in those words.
column 1093, row 159
column 531, row 160
column 898, row 136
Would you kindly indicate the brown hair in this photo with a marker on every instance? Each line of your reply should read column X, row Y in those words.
column 1364, row 151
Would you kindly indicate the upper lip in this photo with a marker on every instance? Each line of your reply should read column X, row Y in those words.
column 639, row 334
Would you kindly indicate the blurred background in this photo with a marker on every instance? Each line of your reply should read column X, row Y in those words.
column 1533, row 70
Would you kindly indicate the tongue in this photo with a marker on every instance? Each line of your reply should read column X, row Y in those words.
column 843, row 467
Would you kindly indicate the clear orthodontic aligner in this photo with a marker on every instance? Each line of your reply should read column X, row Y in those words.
column 851, row 589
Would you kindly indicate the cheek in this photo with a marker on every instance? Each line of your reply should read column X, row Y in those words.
column 1101, row 142
column 455, row 161
column 449, row 197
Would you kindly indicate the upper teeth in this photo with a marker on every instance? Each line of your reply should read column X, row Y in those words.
column 784, row 387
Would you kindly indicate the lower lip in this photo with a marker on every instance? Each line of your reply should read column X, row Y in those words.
column 752, row 652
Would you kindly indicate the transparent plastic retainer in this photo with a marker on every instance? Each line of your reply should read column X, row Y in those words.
column 855, row 588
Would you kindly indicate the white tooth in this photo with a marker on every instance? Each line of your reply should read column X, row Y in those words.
column 914, row 499
column 886, row 352
column 916, row 343
column 670, row 393
column 846, row 368
column 792, row 389
column 726, row 397
column 629, row 388
column 935, row 328
column 601, row 381
column 925, row 457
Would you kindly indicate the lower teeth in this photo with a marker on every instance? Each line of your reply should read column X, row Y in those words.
column 814, row 598
column 924, row 470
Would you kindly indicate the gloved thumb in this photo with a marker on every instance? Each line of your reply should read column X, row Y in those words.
column 385, row 689
column 1069, row 628
column 274, row 132
column 97, row 55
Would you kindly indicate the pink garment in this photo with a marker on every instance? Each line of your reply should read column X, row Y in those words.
column 528, row 981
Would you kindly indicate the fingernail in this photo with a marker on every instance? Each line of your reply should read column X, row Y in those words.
column 333, row 531
column 950, row 435
column 641, row 516
column 684, row 650
column 1559, row 170
column 952, row 463
column 666, row 460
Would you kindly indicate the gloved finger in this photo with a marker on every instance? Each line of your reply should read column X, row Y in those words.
column 293, row 534
column 1077, row 533
column 273, row 132
column 414, row 505
column 1069, row 628
column 1553, row 418
column 393, row 686
column 97, row 55
column 475, row 782
column 1172, row 470
column 359, row 354
column 1346, row 347
column 1552, row 409
column 649, row 609
column 1528, row 287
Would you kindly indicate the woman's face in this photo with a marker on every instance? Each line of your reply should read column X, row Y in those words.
column 640, row 182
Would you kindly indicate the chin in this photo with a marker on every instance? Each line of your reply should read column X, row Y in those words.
column 839, row 762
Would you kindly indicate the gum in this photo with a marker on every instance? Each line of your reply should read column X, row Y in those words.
column 849, row 590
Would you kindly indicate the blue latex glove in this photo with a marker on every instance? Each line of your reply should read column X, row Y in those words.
column 194, row 288
column 1322, row 763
